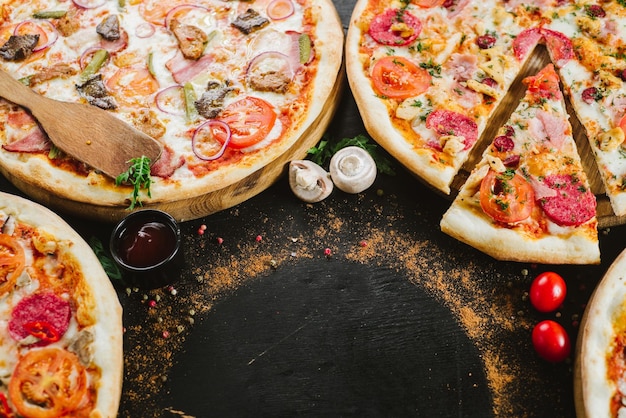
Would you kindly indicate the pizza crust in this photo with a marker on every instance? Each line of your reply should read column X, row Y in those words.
column 107, row 311
column 505, row 244
column 592, row 389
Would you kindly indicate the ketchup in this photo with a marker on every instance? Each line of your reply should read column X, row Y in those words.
column 145, row 244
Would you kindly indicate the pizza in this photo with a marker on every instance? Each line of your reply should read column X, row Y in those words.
column 600, row 366
column 225, row 86
column 529, row 199
column 430, row 76
column 61, row 321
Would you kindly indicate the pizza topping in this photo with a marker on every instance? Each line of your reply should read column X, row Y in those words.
column 48, row 34
column 82, row 346
column 308, row 181
column 167, row 163
column 184, row 70
column 399, row 78
column 205, row 142
column 53, row 71
column 34, row 141
column 544, row 85
column 250, row 121
column 94, row 91
column 525, row 42
column 191, row 39
column 48, row 382
column 559, row 46
column 462, row 66
column 611, row 140
column 595, row 10
column 211, row 103
column 89, row 4
column 280, row 9
column 109, row 28
column 44, row 316
column 116, row 45
column 352, row 169
column 503, row 143
column 395, row 27
column 69, row 23
column 506, row 197
column 546, row 126
column 447, row 122
column 19, row 47
column 269, row 71
column 573, row 205
column 485, row 41
column 250, row 21
column 12, row 262
column 591, row 94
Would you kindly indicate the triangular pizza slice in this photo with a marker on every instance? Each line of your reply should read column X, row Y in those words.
column 528, row 199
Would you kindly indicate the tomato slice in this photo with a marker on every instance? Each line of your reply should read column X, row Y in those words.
column 47, row 382
column 427, row 4
column 398, row 78
column 250, row 120
column 12, row 262
column 622, row 123
column 545, row 84
column 506, row 197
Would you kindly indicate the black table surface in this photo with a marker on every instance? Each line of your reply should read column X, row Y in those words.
column 398, row 320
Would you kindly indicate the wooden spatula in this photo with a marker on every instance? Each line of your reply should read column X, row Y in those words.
column 85, row 132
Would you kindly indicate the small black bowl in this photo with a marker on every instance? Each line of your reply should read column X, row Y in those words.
column 146, row 244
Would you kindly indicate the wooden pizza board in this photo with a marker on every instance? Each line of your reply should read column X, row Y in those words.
column 199, row 206
column 538, row 60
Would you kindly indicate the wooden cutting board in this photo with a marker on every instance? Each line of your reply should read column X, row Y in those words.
column 206, row 204
column 539, row 59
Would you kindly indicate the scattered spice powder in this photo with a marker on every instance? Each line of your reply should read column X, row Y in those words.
column 220, row 266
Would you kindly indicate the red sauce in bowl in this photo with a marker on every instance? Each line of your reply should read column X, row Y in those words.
column 145, row 244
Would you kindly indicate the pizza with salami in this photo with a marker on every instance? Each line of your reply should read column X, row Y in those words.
column 61, row 334
column 428, row 77
column 225, row 86
column 529, row 198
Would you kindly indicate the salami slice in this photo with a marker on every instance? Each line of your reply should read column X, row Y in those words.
column 395, row 27
column 45, row 316
column 447, row 122
column 572, row 205
column 525, row 42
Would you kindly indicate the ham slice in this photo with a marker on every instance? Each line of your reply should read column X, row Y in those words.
column 165, row 166
column 546, row 126
column 184, row 70
column 462, row 66
column 33, row 141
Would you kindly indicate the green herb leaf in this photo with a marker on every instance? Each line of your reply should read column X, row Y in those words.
column 137, row 175
column 323, row 152
column 109, row 266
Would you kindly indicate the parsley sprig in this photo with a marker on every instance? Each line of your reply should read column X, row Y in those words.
column 327, row 147
column 109, row 266
column 137, row 175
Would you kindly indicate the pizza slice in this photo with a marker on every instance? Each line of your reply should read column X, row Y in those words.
column 528, row 199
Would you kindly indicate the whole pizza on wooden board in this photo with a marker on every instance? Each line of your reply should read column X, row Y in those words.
column 225, row 86
column 429, row 75
column 61, row 321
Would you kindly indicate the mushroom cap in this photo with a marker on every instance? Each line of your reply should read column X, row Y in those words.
column 352, row 169
column 308, row 181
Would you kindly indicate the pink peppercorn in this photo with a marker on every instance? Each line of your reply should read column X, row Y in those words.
column 327, row 252
column 152, row 303
column 220, row 240
column 259, row 238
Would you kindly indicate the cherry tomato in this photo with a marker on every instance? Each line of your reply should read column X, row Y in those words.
column 547, row 291
column 399, row 78
column 250, row 120
column 506, row 197
column 551, row 341
column 545, row 84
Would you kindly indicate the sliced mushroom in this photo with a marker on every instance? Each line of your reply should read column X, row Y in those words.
column 308, row 181
column 352, row 169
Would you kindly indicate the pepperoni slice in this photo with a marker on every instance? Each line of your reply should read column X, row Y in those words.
column 573, row 204
column 525, row 42
column 43, row 315
column 559, row 46
column 395, row 27
column 447, row 122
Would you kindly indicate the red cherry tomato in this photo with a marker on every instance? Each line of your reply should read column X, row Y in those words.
column 551, row 341
column 547, row 291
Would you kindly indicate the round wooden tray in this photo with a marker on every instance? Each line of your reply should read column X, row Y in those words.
column 536, row 62
column 206, row 204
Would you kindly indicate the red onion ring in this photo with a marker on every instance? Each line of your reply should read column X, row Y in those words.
column 172, row 12
column 209, row 124
column 270, row 55
column 280, row 9
column 89, row 4
column 85, row 57
column 144, row 30
column 51, row 32
column 163, row 97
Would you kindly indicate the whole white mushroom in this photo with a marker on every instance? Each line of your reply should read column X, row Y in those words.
column 308, row 181
column 352, row 169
